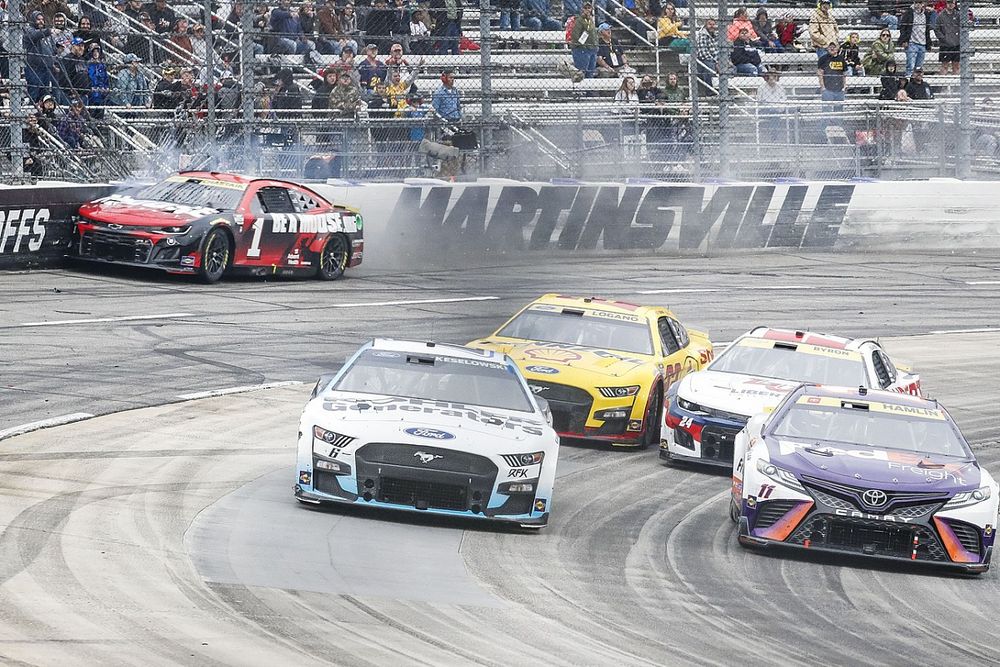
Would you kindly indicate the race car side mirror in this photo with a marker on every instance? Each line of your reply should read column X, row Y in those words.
column 321, row 384
column 543, row 405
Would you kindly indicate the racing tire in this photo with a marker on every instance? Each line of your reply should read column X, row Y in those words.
column 734, row 511
column 333, row 258
column 652, row 434
column 216, row 253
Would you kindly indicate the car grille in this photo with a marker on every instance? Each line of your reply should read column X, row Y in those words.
column 909, row 505
column 683, row 439
column 422, row 494
column 723, row 414
column 967, row 535
column 869, row 537
column 769, row 512
column 570, row 406
column 717, row 442
column 398, row 454
column 117, row 247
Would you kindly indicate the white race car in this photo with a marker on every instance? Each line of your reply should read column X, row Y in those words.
column 423, row 426
column 872, row 473
column 707, row 409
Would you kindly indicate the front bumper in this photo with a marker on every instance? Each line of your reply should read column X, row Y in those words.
column 173, row 253
column 697, row 438
column 578, row 414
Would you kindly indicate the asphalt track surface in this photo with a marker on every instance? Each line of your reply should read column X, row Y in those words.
column 164, row 532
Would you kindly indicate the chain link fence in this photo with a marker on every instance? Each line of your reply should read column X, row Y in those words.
column 385, row 90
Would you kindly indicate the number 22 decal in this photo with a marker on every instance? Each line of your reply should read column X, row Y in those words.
column 765, row 491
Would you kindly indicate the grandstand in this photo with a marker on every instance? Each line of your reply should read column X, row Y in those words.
column 533, row 112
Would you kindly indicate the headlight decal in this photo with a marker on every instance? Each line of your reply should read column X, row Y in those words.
column 968, row 498
column 619, row 392
column 779, row 475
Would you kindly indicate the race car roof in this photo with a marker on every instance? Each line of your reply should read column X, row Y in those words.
column 593, row 303
column 239, row 179
column 855, row 394
column 801, row 336
column 425, row 347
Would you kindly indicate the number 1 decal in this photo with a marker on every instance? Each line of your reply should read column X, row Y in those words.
column 765, row 491
column 254, row 249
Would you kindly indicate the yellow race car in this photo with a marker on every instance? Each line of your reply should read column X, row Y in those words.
column 603, row 366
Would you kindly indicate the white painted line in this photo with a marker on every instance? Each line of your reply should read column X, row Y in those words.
column 982, row 282
column 410, row 303
column 957, row 331
column 236, row 390
column 44, row 423
column 129, row 318
column 696, row 290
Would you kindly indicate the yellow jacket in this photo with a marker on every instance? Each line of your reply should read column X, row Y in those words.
column 666, row 27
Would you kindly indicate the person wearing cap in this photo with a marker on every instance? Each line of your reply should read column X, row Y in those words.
column 371, row 67
column 917, row 88
column 345, row 99
column 537, row 15
column 915, row 35
column 40, row 51
column 447, row 101
column 181, row 39
column 131, row 88
column 61, row 35
column 49, row 9
column 167, row 94
column 420, row 33
column 100, row 82
column 946, row 30
column 883, row 13
column 823, row 28
column 32, row 137
column 610, row 57
column 583, row 41
column 164, row 18
column 74, row 77
column 832, row 71
column 48, row 113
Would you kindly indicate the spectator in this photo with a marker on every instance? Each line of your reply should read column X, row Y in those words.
column 167, row 93
column 378, row 25
column 191, row 94
column 73, row 125
column 322, row 89
column 891, row 82
column 181, row 39
column 420, row 33
column 583, row 41
column 649, row 91
column 286, row 94
column 668, row 30
column 100, row 82
column 881, row 54
column 915, row 35
column 573, row 8
column 349, row 27
column 32, row 136
column 346, row 65
column 627, row 94
column 772, row 101
column 328, row 31
column 416, row 109
column 85, row 32
column 396, row 62
column 787, row 31
column 134, row 8
column 199, row 46
column 741, row 22
column 917, row 88
column 40, row 51
column 116, row 28
column 345, row 100
column 287, row 36
column 142, row 44
column 447, row 25
column 766, row 33
column 510, row 14
column 672, row 92
column 537, row 15
column 400, row 21
column 832, row 70
column 131, row 89
column 745, row 57
column 48, row 114
column 882, row 12
column 610, row 57
column 823, row 28
column 371, row 67
column 446, row 101
column 48, row 9
column 399, row 86
column 948, row 41
column 164, row 18
column 851, row 50
column 707, row 52
column 61, row 35
column 75, row 80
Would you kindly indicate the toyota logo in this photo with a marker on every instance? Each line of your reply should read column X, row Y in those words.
column 874, row 498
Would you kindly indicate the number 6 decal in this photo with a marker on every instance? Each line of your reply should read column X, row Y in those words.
column 254, row 249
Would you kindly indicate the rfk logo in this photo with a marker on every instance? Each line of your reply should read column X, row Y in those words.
column 426, row 458
column 517, row 472
column 559, row 356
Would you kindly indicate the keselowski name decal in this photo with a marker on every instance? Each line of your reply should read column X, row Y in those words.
column 443, row 408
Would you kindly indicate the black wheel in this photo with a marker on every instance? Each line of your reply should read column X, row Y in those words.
column 334, row 257
column 652, row 419
column 734, row 510
column 216, row 253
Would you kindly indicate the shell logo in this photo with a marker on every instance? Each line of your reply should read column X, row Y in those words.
column 553, row 355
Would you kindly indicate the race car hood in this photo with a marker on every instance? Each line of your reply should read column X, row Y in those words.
column 395, row 419
column 539, row 359
column 852, row 464
column 126, row 211
column 742, row 394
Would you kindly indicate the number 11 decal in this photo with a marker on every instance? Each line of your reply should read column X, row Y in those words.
column 765, row 491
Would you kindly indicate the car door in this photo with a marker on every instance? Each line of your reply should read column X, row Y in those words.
column 673, row 352
column 265, row 238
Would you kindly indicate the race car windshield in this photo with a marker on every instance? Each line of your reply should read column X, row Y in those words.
column 554, row 327
column 435, row 377
column 192, row 193
column 871, row 429
column 785, row 364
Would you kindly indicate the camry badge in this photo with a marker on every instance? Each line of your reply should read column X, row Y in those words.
column 874, row 498
column 426, row 458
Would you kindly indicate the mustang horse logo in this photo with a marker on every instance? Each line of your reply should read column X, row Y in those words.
column 426, row 458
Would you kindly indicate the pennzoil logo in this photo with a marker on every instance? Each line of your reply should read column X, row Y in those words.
column 553, row 355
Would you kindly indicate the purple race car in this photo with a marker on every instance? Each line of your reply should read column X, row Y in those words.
column 867, row 472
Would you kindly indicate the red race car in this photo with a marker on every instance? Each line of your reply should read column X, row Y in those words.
column 208, row 223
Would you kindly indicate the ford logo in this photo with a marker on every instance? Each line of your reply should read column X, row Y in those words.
column 431, row 433
column 542, row 370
